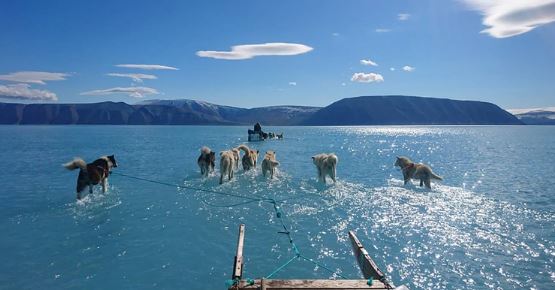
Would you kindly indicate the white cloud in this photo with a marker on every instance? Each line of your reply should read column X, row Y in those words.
column 368, row 62
column 506, row 18
column 382, row 30
column 367, row 77
column 403, row 16
column 33, row 77
column 343, row 84
column 136, row 92
column 292, row 83
column 24, row 92
column 335, row 34
column 135, row 77
column 408, row 68
column 392, row 69
column 147, row 66
column 247, row 51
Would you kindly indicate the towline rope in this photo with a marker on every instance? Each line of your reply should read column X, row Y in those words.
column 276, row 205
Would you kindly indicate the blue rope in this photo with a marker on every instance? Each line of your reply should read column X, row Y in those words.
column 280, row 214
column 190, row 187
column 281, row 267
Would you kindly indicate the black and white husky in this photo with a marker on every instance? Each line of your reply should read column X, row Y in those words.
column 92, row 173
column 206, row 161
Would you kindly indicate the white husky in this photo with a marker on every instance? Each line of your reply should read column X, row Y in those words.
column 236, row 155
column 269, row 163
column 227, row 163
column 326, row 165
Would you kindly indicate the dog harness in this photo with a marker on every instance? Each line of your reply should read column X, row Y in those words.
column 408, row 166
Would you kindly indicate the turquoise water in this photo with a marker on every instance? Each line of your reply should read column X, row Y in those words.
column 489, row 224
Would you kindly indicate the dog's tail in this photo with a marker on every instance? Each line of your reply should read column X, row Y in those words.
column 76, row 163
column 205, row 150
column 333, row 159
column 244, row 148
column 435, row 176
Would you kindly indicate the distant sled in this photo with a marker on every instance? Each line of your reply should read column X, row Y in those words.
column 261, row 136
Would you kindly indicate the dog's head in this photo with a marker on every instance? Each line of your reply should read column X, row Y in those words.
column 401, row 161
column 113, row 160
column 270, row 154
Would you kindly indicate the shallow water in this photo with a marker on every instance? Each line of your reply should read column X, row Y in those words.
column 489, row 224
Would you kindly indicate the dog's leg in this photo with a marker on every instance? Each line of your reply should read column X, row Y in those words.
column 421, row 182
column 405, row 178
column 222, row 178
column 104, row 181
column 78, row 195
column 428, row 184
column 90, row 188
column 332, row 175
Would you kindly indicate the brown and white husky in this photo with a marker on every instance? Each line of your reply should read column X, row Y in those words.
column 206, row 161
column 269, row 163
column 250, row 158
column 413, row 170
column 92, row 173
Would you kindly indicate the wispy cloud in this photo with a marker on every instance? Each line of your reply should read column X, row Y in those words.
column 506, row 18
column 368, row 62
column 392, row 69
column 24, row 92
column 136, row 92
column 135, row 77
column 335, row 34
column 292, row 83
column 408, row 68
column 367, row 77
column 382, row 30
column 33, row 77
column 403, row 16
column 147, row 66
column 247, row 51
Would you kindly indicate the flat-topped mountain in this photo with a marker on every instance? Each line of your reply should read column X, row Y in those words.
column 409, row 110
column 369, row 110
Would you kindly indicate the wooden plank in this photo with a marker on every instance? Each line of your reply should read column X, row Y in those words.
column 269, row 284
column 238, row 264
column 367, row 266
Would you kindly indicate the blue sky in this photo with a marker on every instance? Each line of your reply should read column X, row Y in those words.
column 64, row 51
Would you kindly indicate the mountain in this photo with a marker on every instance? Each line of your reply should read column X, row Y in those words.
column 102, row 113
column 370, row 110
column 537, row 116
column 274, row 115
column 409, row 110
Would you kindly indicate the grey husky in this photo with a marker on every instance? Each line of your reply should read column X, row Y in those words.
column 413, row 170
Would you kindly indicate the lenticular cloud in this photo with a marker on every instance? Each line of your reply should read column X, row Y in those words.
column 136, row 92
column 247, row 51
column 25, row 92
column 506, row 18
column 367, row 77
